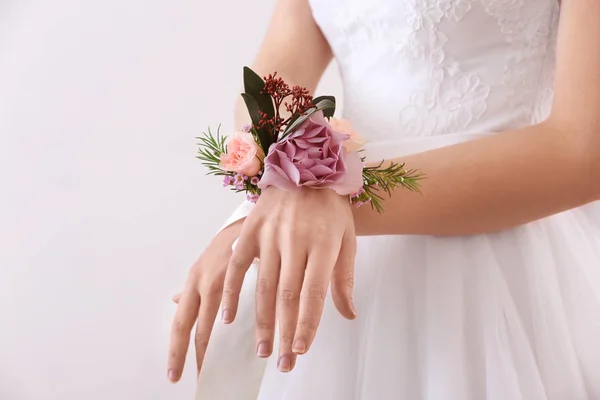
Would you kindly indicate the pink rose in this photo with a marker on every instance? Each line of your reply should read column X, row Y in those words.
column 314, row 156
column 243, row 155
column 355, row 141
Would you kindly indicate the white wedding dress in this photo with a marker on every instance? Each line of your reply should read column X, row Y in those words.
column 505, row 316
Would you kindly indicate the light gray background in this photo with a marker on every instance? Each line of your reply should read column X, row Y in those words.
column 102, row 204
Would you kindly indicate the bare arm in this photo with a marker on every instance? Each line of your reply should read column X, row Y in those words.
column 294, row 47
column 516, row 176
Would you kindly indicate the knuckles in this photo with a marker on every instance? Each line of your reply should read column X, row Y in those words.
column 265, row 325
column 350, row 282
column 180, row 326
column 307, row 325
column 230, row 294
column 201, row 339
column 287, row 297
column 262, row 286
column 236, row 265
column 286, row 338
column 315, row 293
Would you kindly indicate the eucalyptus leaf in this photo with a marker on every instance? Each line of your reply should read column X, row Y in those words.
column 322, row 105
column 328, row 113
column 253, row 86
column 325, row 104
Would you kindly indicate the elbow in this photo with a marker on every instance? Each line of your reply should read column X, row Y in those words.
column 595, row 169
column 582, row 137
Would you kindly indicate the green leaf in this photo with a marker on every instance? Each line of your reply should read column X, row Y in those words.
column 325, row 104
column 253, row 108
column 322, row 105
column 253, row 86
column 328, row 113
column 264, row 135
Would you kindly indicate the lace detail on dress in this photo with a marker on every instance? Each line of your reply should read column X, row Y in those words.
column 533, row 39
column 453, row 98
column 432, row 67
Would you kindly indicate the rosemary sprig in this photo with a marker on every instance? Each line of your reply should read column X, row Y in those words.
column 210, row 148
column 386, row 180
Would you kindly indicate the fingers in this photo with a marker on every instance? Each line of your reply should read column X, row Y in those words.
column 209, row 307
column 342, row 278
column 290, row 284
column 187, row 311
column 314, row 290
column 243, row 255
column 266, row 300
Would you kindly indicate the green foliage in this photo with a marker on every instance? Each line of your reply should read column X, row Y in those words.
column 322, row 105
column 210, row 149
column 386, row 180
column 257, row 101
column 327, row 112
column 378, row 181
column 253, row 86
column 264, row 137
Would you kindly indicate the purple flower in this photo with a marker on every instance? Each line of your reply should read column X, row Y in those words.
column 252, row 197
column 313, row 156
column 246, row 127
column 238, row 181
column 227, row 180
column 255, row 180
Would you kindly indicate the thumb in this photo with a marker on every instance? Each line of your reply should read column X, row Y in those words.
column 342, row 278
column 176, row 298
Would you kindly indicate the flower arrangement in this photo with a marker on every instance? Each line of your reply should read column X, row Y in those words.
column 303, row 147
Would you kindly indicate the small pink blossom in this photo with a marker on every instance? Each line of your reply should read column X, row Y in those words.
column 227, row 180
column 357, row 194
column 313, row 156
column 238, row 181
column 252, row 197
column 255, row 180
column 243, row 155
column 246, row 128
column 355, row 141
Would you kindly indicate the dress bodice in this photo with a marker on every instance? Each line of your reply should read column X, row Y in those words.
column 433, row 67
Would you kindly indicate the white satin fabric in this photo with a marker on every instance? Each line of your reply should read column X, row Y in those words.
column 513, row 315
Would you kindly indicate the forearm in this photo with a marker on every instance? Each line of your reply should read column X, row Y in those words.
column 490, row 184
column 294, row 47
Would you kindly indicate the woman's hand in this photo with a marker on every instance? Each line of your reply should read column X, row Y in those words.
column 200, row 300
column 304, row 241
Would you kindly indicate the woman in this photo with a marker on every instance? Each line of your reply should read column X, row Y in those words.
column 484, row 287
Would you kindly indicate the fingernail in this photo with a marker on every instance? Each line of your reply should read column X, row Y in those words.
column 353, row 308
column 226, row 316
column 172, row 375
column 284, row 364
column 263, row 349
column 299, row 347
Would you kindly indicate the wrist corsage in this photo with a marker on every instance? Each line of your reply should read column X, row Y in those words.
column 306, row 148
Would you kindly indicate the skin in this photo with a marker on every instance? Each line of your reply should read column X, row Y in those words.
column 494, row 183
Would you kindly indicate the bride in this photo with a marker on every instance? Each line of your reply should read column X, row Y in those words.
column 486, row 286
